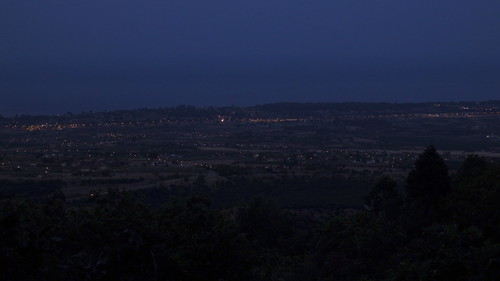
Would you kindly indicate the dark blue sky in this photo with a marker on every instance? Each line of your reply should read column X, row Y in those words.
column 73, row 55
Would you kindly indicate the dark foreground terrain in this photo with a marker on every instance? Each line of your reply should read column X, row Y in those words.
column 274, row 192
column 442, row 229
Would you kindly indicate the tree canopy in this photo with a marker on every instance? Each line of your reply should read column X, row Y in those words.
column 428, row 181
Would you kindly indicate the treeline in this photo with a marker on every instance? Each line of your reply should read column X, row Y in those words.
column 440, row 228
column 291, row 191
column 29, row 188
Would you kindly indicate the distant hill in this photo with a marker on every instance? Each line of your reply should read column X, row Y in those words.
column 274, row 110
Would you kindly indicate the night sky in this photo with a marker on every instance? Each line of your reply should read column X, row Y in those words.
column 79, row 55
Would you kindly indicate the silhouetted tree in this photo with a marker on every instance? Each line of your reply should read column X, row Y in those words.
column 358, row 247
column 472, row 167
column 428, row 181
column 475, row 198
column 384, row 197
column 444, row 252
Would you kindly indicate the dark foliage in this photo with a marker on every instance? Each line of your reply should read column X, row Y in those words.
column 451, row 233
column 429, row 181
column 384, row 197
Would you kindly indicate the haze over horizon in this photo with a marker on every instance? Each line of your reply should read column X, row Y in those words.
column 58, row 56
